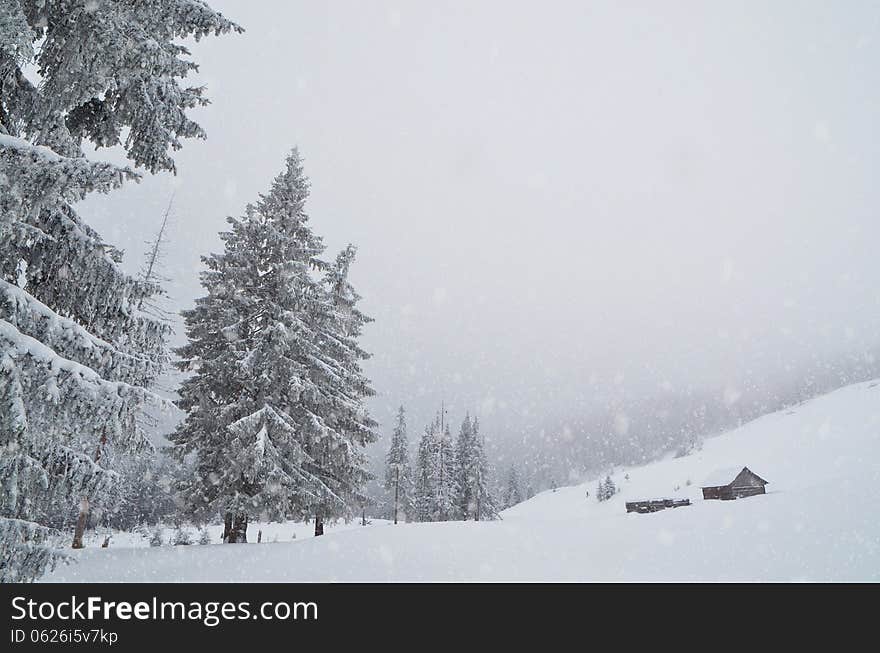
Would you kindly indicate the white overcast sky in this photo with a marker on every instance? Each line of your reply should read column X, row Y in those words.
column 552, row 198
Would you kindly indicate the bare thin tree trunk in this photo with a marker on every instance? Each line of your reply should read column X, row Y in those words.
column 154, row 253
column 319, row 524
column 396, row 491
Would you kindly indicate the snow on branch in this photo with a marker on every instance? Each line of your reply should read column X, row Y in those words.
column 33, row 175
column 69, row 339
column 16, row 344
column 26, row 550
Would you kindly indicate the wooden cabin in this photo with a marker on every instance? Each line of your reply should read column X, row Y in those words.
column 733, row 483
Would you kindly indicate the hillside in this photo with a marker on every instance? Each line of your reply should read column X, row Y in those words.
column 819, row 521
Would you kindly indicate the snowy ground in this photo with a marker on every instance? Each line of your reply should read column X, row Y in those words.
column 819, row 521
column 271, row 533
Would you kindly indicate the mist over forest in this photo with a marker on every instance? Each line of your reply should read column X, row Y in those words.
column 535, row 247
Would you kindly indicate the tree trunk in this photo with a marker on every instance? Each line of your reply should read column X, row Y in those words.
column 81, row 524
column 83, row 518
column 238, row 531
column 319, row 524
column 227, row 527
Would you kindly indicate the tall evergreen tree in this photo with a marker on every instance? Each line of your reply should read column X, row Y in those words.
column 398, row 475
column 436, row 483
column 606, row 489
column 610, row 487
column 435, row 474
column 76, row 355
column 446, row 476
column 466, row 468
column 484, row 503
column 513, row 493
column 424, row 494
column 474, row 494
column 337, row 373
column 275, row 415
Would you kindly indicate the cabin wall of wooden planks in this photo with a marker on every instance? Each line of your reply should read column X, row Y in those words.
column 727, row 492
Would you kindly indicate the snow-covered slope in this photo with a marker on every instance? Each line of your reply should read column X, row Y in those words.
column 820, row 520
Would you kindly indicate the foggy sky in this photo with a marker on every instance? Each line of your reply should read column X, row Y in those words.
column 554, row 203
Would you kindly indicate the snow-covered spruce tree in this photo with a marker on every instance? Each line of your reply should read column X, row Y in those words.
column 474, row 498
column 512, row 493
column 606, row 489
column 76, row 356
column 275, row 417
column 610, row 488
column 424, row 491
column 601, row 494
column 465, row 469
column 446, row 476
column 436, row 477
column 481, row 495
column 147, row 494
column 398, row 475
column 339, row 377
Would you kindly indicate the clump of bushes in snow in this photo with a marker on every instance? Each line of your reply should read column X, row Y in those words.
column 181, row 537
column 156, row 537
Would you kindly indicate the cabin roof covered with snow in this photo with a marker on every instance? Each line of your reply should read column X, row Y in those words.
column 726, row 476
